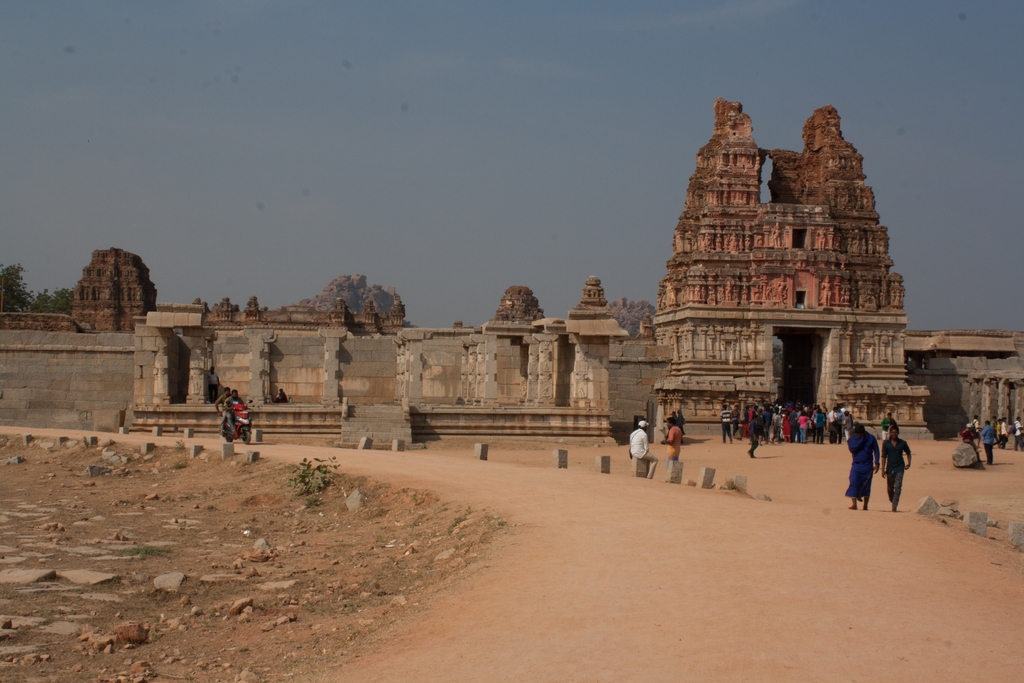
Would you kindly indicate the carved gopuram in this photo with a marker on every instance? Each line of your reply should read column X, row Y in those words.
column 810, row 269
column 114, row 289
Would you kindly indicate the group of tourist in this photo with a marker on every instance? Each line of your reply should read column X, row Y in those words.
column 791, row 422
column 996, row 432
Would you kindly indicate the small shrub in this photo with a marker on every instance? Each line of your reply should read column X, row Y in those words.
column 180, row 446
column 312, row 476
column 180, row 465
column 312, row 501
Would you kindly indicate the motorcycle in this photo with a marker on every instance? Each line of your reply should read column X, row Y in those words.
column 243, row 425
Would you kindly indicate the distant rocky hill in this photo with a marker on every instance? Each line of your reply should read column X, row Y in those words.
column 630, row 313
column 354, row 290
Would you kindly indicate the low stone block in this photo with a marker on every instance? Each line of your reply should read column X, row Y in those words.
column 560, row 459
column 123, row 430
column 603, row 463
column 976, row 522
column 480, row 451
column 96, row 470
column 252, row 456
column 638, row 468
column 398, row 445
column 739, row 483
column 365, row 443
column 706, row 477
column 61, row 440
column 227, row 450
column 257, row 436
column 355, row 500
column 26, row 439
column 764, row 497
column 91, row 440
column 194, row 451
column 16, row 460
column 158, row 431
column 147, row 448
column 170, row 581
column 1015, row 534
column 674, row 472
column 190, row 433
column 927, row 506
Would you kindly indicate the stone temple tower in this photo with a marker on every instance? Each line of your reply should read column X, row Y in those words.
column 809, row 270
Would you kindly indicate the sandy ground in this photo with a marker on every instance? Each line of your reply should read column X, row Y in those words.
column 608, row 578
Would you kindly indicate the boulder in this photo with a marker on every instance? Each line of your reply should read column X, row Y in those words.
column 96, row 470
column 965, row 456
column 132, row 632
column 927, row 506
column 238, row 605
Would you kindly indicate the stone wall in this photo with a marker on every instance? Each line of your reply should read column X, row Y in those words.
column 633, row 369
column 45, row 322
column 963, row 387
column 368, row 368
column 65, row 380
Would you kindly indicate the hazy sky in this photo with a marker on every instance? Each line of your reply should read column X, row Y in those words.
column 453, row 149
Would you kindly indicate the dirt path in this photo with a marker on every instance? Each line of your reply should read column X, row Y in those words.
column 608, row 578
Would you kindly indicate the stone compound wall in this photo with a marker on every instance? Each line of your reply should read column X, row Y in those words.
column 43, row 322
column 65, row 380
column 368, row 367
column 633, row 369
column 963, row 387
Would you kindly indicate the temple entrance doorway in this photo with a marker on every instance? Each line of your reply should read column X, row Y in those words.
column 801, row 364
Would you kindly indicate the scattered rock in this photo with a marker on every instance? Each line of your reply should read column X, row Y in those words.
column 25, row 576
column 926, row 506
column 275, row 585
column 197, row 611
column 261, row 544
column 84, row 577
column 398, row 600
column 764, row 496
column 238, row 605
column 247, row 677
column 96, row 470
column 132, row 632
column 444, row 555
column 16, row 460
column 61, row 628
column 355, row 500
column 944, row 511
column 976, row 522
column 170, row 581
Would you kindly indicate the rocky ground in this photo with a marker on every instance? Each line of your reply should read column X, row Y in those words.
column 200, row 569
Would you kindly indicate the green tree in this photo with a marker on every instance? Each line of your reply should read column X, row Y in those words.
column 58, row 302
column 16, row 298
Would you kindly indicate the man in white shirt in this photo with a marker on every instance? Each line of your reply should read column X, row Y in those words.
column 640, row 449
column 1018, row 437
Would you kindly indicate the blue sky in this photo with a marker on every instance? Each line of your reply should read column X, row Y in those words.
column 453, row 149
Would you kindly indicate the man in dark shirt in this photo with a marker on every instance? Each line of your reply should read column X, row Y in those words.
column 892, row 464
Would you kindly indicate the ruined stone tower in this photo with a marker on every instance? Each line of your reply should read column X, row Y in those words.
column 115, row 287
column 810, row 269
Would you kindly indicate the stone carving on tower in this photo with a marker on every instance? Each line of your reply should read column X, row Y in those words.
column 810, row 268
column 115, row 288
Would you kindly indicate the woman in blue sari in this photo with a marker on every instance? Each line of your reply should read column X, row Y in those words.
column 864, row 449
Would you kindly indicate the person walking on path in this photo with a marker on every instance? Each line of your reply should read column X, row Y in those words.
column 848, row 424
column 1018, row 436
column 674, row 440
column 988, row 439
column 640, row 448
column 754, row 443
column 892, row 464
column 864, row 449
column 726, row 416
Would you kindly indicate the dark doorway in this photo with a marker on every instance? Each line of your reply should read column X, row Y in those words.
column 801, row 365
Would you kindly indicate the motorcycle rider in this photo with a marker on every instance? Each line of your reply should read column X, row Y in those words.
column 229, row 411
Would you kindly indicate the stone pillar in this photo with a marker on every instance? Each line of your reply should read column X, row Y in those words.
column 259, row 363
column 162, row 365
column 1002, row 397
column 532, row 371
column 414, row 384
column 198, row 340
column 488, row 364
column 986, row 400
column 333, row 337
column 546, row 368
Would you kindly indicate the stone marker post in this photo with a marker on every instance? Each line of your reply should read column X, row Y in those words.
column 365, row 443
column 26, row 439
column 560, row 459
column 61, row 440
column 194, row 451
column 123, row 430
column 158, row 431
column 227, row 450
column 976, row 522
column 257, row 436
column 706, row 477
column 603, row 463
column 480, row 450
column 252, row 456
column 146, row 448
column 398, row 445
column 638, row 468
column 674, row 474
column 190, row 433
column 739, row 483
column 1015, row 534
